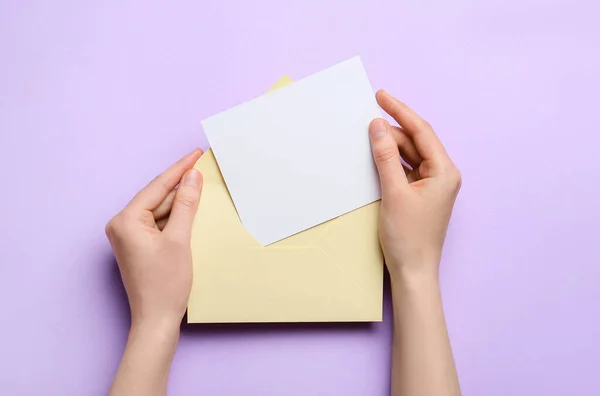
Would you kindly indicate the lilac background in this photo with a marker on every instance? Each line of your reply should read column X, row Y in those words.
column 98, row 97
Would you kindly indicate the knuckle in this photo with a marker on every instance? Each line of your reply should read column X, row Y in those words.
column 187, row 201
column 109, row 228
column 119, row 224
column 161, row 182
column 385, row 154
column 454, row 178
column 424, row 124
column 459, row 179
column 114, row 225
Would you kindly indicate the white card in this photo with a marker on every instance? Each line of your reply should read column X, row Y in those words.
column 300, row 155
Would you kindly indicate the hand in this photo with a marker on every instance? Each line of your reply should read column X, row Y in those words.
column 417, row 198
column 151, row 242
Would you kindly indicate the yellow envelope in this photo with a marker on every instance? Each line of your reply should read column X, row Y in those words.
column 330, row 273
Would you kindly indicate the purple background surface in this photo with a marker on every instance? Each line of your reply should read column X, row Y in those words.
column 98, row 97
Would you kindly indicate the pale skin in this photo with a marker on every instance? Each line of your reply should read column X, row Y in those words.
column 151, row 242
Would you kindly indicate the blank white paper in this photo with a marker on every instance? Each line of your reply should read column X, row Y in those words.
column 300, row 155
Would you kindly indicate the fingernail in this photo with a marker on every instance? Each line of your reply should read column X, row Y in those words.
column 192, row 178
column 378, row 129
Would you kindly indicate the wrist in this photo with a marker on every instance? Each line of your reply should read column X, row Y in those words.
column 161, row 330
column 416, row 290
column 418, row 277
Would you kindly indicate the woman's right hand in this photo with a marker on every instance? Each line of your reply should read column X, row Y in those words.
column 416, row 202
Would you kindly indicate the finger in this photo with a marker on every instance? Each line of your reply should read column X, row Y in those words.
column 426, row 141
column 158, row 189
column 165, row 206
column 386, row 156
column 185, row 205
column 408, row 151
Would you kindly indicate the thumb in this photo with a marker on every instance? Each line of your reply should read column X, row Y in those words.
column 387, row 157
column 185, row 204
